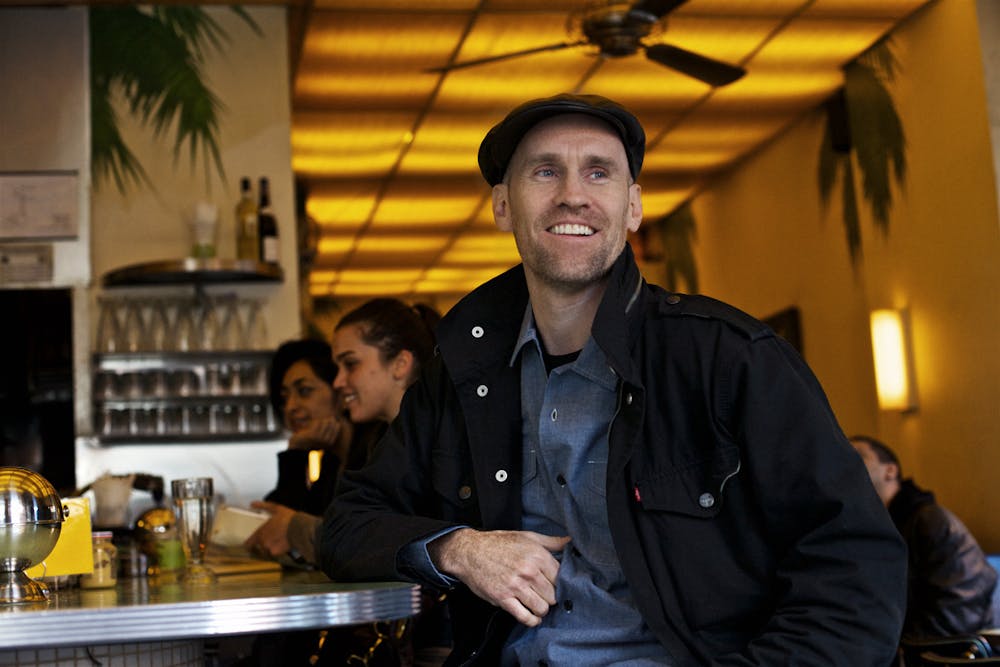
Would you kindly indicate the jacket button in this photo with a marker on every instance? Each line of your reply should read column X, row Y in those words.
column 465, row 492
column 706, row 500
column 501, row 475
column 482, row 390
column 673, row 299
column 477, row 332
column 628, row 398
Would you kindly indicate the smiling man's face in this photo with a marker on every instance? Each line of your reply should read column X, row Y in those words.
column 569, row 200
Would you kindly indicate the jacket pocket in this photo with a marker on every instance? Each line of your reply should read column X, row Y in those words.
column 696, row 489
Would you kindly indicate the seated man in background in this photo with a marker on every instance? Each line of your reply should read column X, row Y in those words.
column 950, row 583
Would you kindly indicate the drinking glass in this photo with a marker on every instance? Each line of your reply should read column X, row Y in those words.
column 158, row 328
column 193, row 508
column 134, row 329
column 255, row 332
column 109, row 335
column 184, row 337
column 208, row 326
column 230, row 335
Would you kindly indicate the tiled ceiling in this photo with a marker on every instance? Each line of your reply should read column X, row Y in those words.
column 388, row 148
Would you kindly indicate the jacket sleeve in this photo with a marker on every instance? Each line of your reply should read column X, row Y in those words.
column 839, row 578
column 399, row 496
column 952, row 583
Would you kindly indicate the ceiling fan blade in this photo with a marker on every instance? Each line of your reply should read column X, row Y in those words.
column 505, row 56
column 654, row 9
column 713, row 72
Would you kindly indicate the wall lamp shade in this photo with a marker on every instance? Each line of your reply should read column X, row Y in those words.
column 894, row 379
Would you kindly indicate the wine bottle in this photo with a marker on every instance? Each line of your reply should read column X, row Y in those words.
column 246, row 223
column 267, row 226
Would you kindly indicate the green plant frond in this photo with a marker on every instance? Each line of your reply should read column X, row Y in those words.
column 154, row 56
column 677, row 230
column 827, row 172
column 111, row 157
column 881, row 59
column 878, row 138
column 194, row 26
column 852, row 223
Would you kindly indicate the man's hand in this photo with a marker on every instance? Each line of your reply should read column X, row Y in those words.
column 514, row 570
column 272, row 536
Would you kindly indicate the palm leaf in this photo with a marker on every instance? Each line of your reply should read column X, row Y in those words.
column 876, row 139
column 153, row 57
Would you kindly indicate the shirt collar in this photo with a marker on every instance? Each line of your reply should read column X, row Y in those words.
column 527, row 333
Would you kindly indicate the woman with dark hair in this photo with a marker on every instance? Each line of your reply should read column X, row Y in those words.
column 380, row 348
column 303, row 397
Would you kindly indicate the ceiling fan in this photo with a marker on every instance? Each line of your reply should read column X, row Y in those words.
column 617, row 29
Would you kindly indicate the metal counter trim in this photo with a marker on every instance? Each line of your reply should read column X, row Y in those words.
column 237, row 605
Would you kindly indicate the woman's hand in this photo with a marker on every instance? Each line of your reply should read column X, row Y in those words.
column 319, row 434
column 272, row 536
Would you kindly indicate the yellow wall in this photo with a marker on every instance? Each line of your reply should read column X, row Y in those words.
column 763, row 243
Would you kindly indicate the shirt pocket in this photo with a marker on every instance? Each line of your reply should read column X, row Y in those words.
column 695, row 489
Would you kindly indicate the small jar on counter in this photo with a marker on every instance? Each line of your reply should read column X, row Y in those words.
column 105, row 574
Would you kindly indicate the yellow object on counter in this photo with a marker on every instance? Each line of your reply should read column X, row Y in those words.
column 73, row 553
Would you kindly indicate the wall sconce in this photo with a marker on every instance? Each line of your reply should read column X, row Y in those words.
column 891, row 350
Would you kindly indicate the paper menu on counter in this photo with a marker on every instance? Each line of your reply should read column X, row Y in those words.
column 233, row 525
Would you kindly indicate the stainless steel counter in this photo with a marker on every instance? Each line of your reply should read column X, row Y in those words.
column 137, row 610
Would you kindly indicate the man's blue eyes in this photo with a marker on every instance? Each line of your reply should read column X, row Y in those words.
column 596, row 174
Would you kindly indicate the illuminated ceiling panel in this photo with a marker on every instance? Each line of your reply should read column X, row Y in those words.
column 387, row 149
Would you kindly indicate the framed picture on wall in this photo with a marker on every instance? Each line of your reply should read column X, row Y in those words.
column 39, row 205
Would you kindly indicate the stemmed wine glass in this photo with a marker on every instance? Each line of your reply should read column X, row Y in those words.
column 193, row 507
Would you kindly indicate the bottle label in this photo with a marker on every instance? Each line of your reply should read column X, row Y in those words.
column 270, row 249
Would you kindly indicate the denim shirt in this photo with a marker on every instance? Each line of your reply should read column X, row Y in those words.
column 566, row 417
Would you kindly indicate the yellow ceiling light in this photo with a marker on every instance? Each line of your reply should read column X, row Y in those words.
column 334, row 245
column 377, row 276
column 819, row 44
column 424, row 212
column 400, row 243
column 479, row 249
column 359, row 86
column 318, row 277
column 337, row 136
column 341, row 213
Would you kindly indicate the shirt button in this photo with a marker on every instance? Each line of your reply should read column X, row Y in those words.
column 673, row 299
column 482, row 390
column 465, row 492
column 477, row 332
column 561, row 479
column 568, row 605
column 553, row 414
column 501, row 475
column 628, row 398
column 706, row 500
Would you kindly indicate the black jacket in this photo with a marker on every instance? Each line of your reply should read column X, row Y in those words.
column 745, row 523
column 950, row 587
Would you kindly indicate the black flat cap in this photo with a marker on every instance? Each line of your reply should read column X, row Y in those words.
column 500, row 142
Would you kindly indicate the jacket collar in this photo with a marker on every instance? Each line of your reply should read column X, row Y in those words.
column 498, row 307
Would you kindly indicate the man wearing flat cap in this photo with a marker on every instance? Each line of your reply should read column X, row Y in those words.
column 602, row 472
